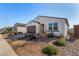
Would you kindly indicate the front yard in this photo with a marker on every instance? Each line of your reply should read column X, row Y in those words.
column 72, row 49
column 25, row 47
column 34, row 48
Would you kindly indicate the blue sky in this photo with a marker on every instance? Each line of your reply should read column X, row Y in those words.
column 12, row 13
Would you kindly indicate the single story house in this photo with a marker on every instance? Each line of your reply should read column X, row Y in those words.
column 56, row 25
column 20, row 27
column 1, row 30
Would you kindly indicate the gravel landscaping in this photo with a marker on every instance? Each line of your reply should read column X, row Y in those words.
column 30, row 49
column 71, row 49
column 33, row 48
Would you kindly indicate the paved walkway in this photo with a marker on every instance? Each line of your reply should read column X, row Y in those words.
column 5, row 48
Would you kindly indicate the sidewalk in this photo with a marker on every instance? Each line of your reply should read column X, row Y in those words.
column 5, row 48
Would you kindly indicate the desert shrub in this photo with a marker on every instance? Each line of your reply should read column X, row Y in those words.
column 60, row 42
column 50, row 50
column 20, row 33
column 50, row 35
column 15, row 33
column 30, row 37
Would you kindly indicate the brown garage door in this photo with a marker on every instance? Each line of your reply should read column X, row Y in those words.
column 31, row 29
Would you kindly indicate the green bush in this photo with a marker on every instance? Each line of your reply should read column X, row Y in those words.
column 50, row 50
column 60, row 42
column 15, row 33
column 50, row 35
column 30, row 37
column 20, row 33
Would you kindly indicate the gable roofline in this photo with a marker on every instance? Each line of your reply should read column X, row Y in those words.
column 20, row 24
column 55, row 18
column 50, row 17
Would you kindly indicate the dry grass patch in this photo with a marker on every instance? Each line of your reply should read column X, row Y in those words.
column 18, row 43
column 30, row 49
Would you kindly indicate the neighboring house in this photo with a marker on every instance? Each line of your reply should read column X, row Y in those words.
column 20, row 27
column 1, row 30
column 76, row 31
column 57, row 26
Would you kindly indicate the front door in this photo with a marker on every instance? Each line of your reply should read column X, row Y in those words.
column 42, row 27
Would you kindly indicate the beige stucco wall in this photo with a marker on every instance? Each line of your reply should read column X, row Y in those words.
column 45, row 20
column 61, row 24
column 19, row 29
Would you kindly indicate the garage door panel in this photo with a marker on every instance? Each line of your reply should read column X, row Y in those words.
column 31, row 29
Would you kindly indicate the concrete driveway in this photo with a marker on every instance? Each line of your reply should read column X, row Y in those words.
column 5, row 48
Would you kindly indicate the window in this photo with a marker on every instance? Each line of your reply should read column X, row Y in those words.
column 50, row 26
column 55, row 26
